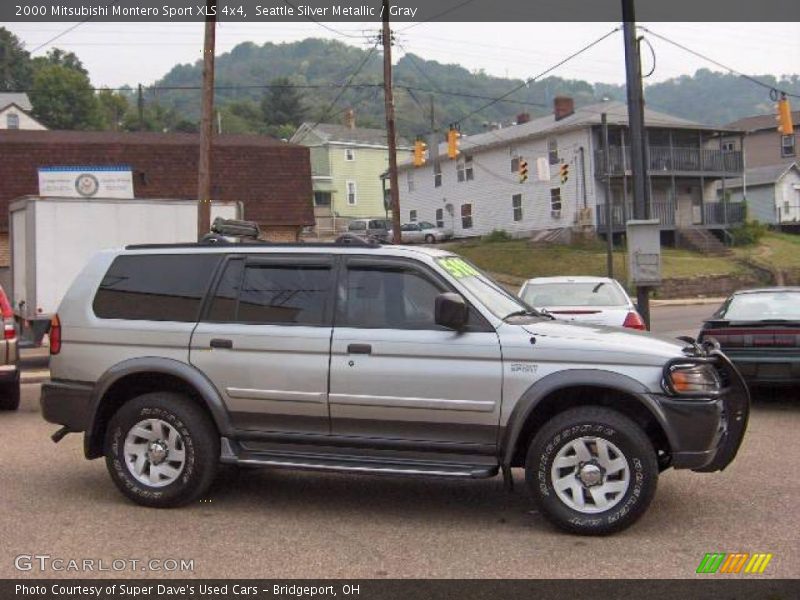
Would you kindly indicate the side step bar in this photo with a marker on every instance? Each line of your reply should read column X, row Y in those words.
column 353, row 464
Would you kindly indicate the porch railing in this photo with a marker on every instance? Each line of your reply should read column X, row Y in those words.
column 713, row 214
column 663, row 159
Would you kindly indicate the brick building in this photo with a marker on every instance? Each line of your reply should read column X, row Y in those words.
column 271, row 178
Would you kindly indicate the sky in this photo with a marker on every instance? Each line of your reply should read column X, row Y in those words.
column 117, row 54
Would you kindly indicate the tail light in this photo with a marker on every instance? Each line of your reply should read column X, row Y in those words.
column 9, row 331
column 634, row 321
column 55, row 335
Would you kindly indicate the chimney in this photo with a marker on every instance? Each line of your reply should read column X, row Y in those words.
column 563, row 106
column 523, row 118
column 350, row 118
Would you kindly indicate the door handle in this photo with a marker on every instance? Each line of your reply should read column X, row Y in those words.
column 359, row 349
column 220, row 343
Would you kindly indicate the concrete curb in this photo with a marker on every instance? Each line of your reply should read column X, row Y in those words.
column 686, row 301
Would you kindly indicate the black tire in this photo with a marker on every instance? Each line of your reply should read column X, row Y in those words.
column 200, row 443
column 9, row 394
column 429, row 239
column 593, row 422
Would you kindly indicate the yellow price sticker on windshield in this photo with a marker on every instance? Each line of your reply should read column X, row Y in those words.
column 458, row 267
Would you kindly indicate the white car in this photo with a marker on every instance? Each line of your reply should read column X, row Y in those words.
column 422, row 233
column 598, row 300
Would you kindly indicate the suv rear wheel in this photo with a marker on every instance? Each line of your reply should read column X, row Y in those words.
column 9, row 395
column 162, row 450
column 591, row 471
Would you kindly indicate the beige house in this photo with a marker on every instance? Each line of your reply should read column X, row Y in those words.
column 15, row 111
column 763, row 145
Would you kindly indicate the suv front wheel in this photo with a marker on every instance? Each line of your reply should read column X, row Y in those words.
column 162, row 450
column 591, row 471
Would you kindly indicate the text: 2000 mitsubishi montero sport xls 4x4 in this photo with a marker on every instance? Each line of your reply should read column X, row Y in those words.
column 373, row 359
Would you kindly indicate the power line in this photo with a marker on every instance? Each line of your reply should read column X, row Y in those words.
column 436, row 16
column 717, row 63
column 68, row 29
column 324, row 26
column 530, row 80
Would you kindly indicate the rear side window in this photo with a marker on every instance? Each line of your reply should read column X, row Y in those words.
column 272, row 294
column 155, row 287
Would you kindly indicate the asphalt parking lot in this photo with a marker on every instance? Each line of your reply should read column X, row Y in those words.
column 266, row 524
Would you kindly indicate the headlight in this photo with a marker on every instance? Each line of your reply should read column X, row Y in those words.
column 692, row 379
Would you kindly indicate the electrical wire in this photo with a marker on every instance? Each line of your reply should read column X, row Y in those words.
column 68, row 29
column 653, row 54
column 323, row 25
column 716, row 62
column 438, row 15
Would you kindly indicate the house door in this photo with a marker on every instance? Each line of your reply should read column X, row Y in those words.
column 684, row 214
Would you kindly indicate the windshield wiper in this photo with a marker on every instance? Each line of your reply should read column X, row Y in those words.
column 526, row 312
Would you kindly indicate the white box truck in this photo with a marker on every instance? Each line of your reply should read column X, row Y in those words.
column 52, row 238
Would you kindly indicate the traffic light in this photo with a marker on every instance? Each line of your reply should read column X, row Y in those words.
column 784, row 117
column 523, row 170
column 419, row 152
column 564, row 172
column 452, row 142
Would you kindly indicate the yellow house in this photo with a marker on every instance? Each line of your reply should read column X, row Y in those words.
column 346, row 167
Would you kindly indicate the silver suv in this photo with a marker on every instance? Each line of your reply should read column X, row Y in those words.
column 373, row 359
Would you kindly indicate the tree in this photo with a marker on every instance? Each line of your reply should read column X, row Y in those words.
column 282, row 104
column 16, row 71
column 113, row 107
column 63, row 98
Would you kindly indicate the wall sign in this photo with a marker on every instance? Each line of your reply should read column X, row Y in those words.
column 86, row 181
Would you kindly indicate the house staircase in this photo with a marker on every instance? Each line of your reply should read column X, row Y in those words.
column 701, row 240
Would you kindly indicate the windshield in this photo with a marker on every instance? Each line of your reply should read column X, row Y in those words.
column 764, row 305
column 574, row 293
column 500, row 302
column 426, row 225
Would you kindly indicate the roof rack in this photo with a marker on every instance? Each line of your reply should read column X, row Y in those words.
column 348, row 239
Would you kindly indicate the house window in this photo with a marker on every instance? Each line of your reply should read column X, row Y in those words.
column 12, row 121
column 552, row 150
column 322, row 198
column 412, row 216
column 728, row 146
column 555, row 203
column 440, row 218
column 349, row 154
column 515, row 164
column 466, row 216
column 786, row 208
column 787, row 145
column 516, row 205
column 437, row 174
column 464, row 169
column 352, row 197
column 410, row 180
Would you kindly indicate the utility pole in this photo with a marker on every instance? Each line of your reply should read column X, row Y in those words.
column 609, row 207
column 206, row 124
column 633, row 81
column 394, row 187
column 140, row 107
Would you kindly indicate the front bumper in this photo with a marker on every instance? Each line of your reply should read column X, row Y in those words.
column 67, row 403
column 705, row 433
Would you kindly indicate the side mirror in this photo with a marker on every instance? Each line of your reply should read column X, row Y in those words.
column 451, row 311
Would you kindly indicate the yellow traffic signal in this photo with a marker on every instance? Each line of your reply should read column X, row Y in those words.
column 419, row 153
column 784, row 117
column 523, row 170
column 564, row 172
column 452, row 142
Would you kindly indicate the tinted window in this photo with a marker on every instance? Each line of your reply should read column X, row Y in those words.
column 390, row 297
column 271, row 294
column 764, row 305
column 155, row 287
column 357, row 226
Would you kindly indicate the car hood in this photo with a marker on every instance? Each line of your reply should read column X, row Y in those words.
column 602, row 343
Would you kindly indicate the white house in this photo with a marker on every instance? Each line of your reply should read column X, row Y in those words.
column 15, row 111
column 773, row 193
column 481, row 190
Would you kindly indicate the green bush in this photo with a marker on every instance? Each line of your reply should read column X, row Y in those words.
column 748, row 233
column 497, row 235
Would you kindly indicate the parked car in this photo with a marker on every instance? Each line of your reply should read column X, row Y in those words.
column 370, row 228
column 423, row 233
column 598, row 300
column 373, row 359
column 760, row 331
column 9, row 355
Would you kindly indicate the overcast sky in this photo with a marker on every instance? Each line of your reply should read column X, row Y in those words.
column 130, row 53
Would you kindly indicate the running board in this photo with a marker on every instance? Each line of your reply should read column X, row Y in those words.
column 353, row 464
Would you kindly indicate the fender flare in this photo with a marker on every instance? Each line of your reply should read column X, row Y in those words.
column 155, row 364
column 533, row 396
